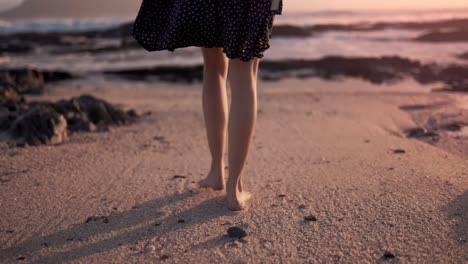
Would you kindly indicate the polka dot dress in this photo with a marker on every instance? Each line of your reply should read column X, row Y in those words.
column 242, row 28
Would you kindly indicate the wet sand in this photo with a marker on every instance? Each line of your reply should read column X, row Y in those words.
column 333, row 151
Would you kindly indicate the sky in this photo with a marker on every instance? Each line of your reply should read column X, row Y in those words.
column 294, row 5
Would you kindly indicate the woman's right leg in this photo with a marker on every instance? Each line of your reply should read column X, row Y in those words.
column 242, row 120
column 215, row 109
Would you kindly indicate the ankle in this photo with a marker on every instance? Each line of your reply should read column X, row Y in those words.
column 217, row 167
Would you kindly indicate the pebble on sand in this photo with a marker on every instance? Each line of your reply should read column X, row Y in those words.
column 310, row 218
column 388, row 255
column 102, row 219
column 236, row 232
column 181, row 221
column 399, row 151
column 149, row 248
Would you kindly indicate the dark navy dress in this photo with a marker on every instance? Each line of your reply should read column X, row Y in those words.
column 242, row 28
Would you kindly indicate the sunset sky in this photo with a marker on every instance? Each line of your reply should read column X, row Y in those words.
column 294, row 5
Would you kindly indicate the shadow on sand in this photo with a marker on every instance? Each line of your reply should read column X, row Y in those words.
column 457, row 210
column 141, row 223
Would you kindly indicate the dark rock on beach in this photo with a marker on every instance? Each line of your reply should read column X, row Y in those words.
column 377, row 70
column 14, row 48
column 236, row 232
column 421, row 133
column 460, row 35
column 35, row 123
column 39, row 125
column 30, row 81
column 388, row 255
column 100, row 219
column 187, row 74
column 290, row 31
column 463, row 56
column 310, row 218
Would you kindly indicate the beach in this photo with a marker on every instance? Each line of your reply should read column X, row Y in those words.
column 334, row 175
column 360, row 153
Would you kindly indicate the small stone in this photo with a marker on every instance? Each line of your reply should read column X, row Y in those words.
column 302, row 206
column 388, row 255
column 149, row 248
column 399, row 151
column 310, row 218
column 102, row 219
column 236, row 232
column 164, row 257
column 179, row 177
column 20, row 258
column 181, row 221
column 281, row 195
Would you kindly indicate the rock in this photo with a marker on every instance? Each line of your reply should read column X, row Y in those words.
column 399, row 151
column 164, row 257
column 463, row 56
column 290, row 31
column 388, row 255
column 310, row 218
column 181, row 221
column 459, row 35
column 39, row 125
column 185, row 74
column 179, row 177
column 30, row 81
column 88, row 113
column 149, row 248
column 102, row 219
column 13, row 47
column 454, row 127
column 421, row 133
column 11, row 101
column 236, row 232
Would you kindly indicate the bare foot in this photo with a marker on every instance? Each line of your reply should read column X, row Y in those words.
column 213, row 181
column 240, row 202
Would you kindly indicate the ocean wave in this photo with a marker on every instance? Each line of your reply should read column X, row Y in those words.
column 60, row 25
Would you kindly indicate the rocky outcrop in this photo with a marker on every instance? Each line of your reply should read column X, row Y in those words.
column 463, row 56
column 460, row 35
column 377, row 70
column 37, row 123
column 30, row 81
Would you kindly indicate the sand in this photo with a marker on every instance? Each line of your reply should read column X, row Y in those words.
column 322, row 149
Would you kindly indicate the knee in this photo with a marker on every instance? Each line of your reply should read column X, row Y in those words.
column 215, row 63
column 244, row 70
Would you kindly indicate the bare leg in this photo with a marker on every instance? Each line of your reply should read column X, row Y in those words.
column 242, row 121
column 215, row 109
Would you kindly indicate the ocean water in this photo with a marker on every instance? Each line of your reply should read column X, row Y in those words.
column 389, row 42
